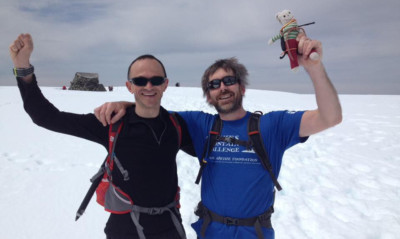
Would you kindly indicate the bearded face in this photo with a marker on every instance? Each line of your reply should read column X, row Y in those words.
column 226, row 98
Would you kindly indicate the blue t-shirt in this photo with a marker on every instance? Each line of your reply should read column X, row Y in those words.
column 234, row 182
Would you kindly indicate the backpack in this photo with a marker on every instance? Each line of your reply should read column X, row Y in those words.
column 255, row 142
column 113, row 199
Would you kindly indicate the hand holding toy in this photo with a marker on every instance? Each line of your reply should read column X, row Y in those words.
column 288, row 35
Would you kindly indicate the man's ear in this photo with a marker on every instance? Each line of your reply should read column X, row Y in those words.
column 129, row 86
column 208, row 98
column 242, row 90
column 166, row 84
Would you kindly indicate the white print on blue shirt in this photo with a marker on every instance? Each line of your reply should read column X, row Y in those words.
column 234, row 183
column 244, row 156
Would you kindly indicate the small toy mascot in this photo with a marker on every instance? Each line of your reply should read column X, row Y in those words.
column 288, row 35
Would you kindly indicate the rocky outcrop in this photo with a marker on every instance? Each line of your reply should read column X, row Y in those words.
column 86, row 82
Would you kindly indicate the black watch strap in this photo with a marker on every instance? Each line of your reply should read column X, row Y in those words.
column 22, row 72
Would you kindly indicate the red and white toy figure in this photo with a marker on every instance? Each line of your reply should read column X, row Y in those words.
column 288, row 35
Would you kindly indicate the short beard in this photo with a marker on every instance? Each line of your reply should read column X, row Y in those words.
column 237, row 104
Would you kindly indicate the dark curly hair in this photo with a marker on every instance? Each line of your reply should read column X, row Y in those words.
column 227, row 64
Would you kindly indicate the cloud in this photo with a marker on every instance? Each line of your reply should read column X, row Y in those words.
column 104, row 36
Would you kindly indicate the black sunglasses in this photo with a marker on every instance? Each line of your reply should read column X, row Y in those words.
column 142, row 81
column 228, row 80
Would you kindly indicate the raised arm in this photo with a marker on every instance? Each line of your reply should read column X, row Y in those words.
column 329, row 111
column 20, row 52
column 41, row 110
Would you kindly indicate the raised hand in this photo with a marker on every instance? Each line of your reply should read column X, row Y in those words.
column 21, row 50
column 310, row 51
column 111, row 112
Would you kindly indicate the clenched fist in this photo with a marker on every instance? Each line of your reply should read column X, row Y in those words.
column 21, row 50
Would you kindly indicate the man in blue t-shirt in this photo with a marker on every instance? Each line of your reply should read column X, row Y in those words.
column 237, row 193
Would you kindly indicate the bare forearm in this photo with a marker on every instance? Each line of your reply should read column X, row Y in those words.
column 328, row 103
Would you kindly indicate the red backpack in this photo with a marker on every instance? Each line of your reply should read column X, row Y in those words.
column 113, row 199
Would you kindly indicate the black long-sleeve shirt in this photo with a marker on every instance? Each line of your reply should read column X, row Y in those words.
column 146, row 148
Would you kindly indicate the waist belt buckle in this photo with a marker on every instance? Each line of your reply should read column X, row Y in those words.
column 231, row 221
column 155, row 211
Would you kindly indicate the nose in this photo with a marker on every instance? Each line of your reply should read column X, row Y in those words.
column 148, row 85
column 223, row 87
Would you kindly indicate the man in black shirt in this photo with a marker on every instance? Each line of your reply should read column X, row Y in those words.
column 147, row 144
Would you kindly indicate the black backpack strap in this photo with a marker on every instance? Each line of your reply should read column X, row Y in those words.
column 258, row 145
column 208, row 216
column 213, row 135
column 178, row 127
column 113, row 133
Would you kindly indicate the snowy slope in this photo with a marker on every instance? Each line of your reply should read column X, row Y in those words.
column 342, row 183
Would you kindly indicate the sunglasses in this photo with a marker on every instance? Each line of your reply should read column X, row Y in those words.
column 142, row 81
column 228, row 80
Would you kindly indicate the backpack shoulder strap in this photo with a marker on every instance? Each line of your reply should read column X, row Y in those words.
column 113, row 133
column 178, row 127
column 212, row 138
column 258, row 145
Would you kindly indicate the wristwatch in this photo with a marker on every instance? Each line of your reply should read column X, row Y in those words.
column 22, row 72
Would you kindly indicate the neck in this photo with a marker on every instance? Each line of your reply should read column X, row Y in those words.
column 235, row 115
column 147, row 112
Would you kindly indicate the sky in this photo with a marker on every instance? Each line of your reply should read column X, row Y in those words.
column 359, row 40
column 342, row 183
